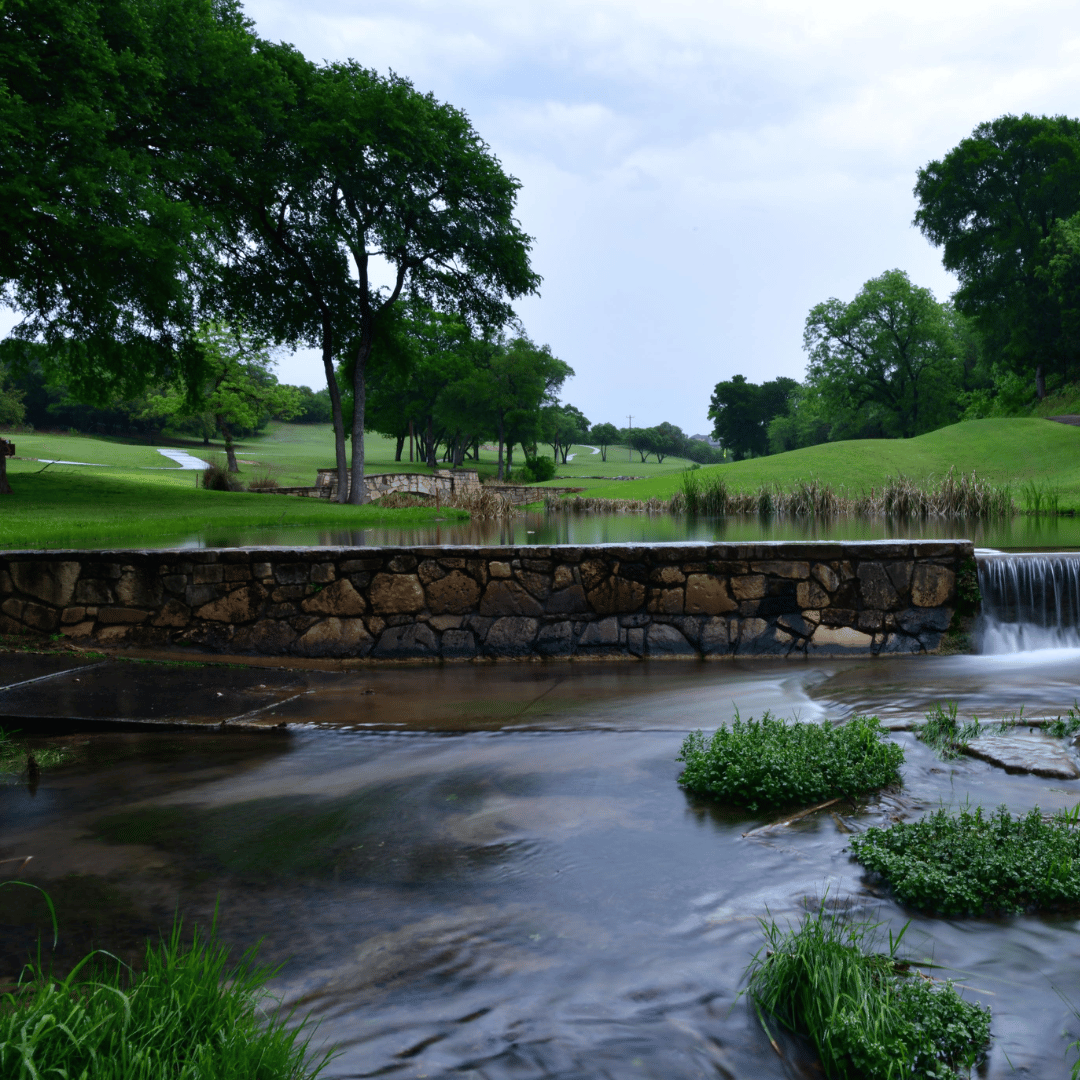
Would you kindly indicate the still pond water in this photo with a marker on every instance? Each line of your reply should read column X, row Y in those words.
column 491, row 872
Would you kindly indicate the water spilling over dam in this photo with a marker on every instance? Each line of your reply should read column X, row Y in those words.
column 1030, row 602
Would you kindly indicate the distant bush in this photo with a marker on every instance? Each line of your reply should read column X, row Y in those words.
column 973, row 864
column 869, row 1016
column 771, row 763
column 262, row 482
column 216, row 477
column 536, row 470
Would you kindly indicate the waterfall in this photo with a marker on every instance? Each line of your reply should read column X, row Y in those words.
column 1030, row 602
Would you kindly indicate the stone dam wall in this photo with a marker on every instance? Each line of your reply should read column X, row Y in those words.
column 458, row 603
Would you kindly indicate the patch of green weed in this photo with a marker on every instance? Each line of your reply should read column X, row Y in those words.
column 15, row 755
column 973, row 863
column 869, row 1015
column 770, row 763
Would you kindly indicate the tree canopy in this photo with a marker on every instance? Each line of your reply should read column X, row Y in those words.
column 741, row 411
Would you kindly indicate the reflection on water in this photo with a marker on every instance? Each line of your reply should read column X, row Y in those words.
column 540, row 527
column 492, row 873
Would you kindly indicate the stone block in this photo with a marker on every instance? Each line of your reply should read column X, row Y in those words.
column 296, row 573
column 826, row 576
column 376, row 625
column 279, row 611
column 899, row 644
column 871, row 620
column 537, row 566
column 508, row 598
column 335, row 637
column 707, row 595
column 932, row 585
column 288, row 593
column 603, row 632
column 511, row 636
column 617, row 596
column 454, row 593
column 662, row 639
column 796, row 624
column 13, row 607
column 568, row 601
column 40, row 617
column 538, row 585
column 340, row 598
column 72, row 615
column 174, row 583
column 840, row 640
column 748, row 587
column 592, row 572
column 668, row 575
column 666, row 602
column 402, row 564
column 172, row 613
column 811, row 595
column 114, row 615
column 564, row 577
column 440, row 623
column 900, row 575
column 197, row 595
column 839, row 617
column 112, row 635
column 785, row 568
column 323, row 572
column 411, row 642
column 556, row 639
column 138, row 587
column 920, row 619
column 635, row 641
column 238, row 572
column 79, row 630
column 239, row 606
column 429, row 570
column 6, row 584
column 270, row 637
column 397, row 594
column 458, row 645
column 94, row 591
column 111, row 571
column 208, row 575
column 876, row 588
column 261, row 570
column 53, row 582
column 499, row 569
column 715, row 636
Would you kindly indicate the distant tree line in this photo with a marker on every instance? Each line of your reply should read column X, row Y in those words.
column 895, row 362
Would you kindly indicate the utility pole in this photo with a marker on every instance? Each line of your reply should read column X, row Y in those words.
column 630, row 449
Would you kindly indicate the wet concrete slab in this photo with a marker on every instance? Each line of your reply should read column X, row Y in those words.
column 1025, row 753
column 117, row 692
column 23, row 667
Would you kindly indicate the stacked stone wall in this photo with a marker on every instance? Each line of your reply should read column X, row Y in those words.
column 460, row 603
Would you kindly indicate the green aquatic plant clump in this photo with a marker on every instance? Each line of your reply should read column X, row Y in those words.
column 973, row 863
column 869, row 1015
column 187, row 1016
column 16, row 757
column 944, row 733
column 771, row 763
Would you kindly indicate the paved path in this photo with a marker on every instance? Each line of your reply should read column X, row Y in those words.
column 184, row 459
column 594, row 449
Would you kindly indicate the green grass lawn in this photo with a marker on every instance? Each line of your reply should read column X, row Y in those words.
column 78, row 506
column 1001, row 451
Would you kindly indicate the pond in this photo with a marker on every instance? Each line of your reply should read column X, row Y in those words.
column 1021, row 533
column 491, row 872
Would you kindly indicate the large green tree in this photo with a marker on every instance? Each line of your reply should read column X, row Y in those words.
column 992, row 204
column 891, row 349
column 110, row 110
column 741, row 411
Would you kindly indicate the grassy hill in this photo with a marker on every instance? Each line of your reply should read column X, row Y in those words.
column 1002, row 451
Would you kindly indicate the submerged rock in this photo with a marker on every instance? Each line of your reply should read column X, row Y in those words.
column 1025, row 753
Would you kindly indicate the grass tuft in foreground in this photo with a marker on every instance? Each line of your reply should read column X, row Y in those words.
column 188, row 1016
column 15, row 756
column 972, row 863
column 772, row 764
column 868, row 1014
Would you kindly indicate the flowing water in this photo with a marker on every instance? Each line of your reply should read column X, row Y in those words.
column 491, row 872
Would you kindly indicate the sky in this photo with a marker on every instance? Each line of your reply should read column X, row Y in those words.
column 697, row 175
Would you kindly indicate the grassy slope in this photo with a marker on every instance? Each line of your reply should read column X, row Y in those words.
column 1003, row 451
column 69, row 505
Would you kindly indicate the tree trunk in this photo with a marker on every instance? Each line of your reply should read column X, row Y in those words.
column 410, row 440
column 340, row 458
column 430, row 445
column 5, row 487
column 230, row 450
column 400, row 447
column 499, row 474
column 509, row 459
column 358, row 489
column 1040, row 382
column 603, row 453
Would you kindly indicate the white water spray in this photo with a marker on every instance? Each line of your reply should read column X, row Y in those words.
column 1030, row 602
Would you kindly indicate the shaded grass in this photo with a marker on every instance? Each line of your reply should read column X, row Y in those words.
column 187, row 1015
column 769, row 763
column 869, row 1014
column 15, row 755
column 67, row 506
column 972, row 863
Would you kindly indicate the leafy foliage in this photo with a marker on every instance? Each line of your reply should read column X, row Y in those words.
column 971, row 863
column 741, row 412
column 944, row 733
column 772, row 763
column 869, row 1016
column 188, row 1015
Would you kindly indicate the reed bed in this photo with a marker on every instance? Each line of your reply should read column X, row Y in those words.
column 955, row 495
column 481, row 503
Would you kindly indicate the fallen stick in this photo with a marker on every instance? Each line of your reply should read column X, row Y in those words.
column 793, row 817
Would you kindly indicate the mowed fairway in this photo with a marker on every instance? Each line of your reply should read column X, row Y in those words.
column 1011, row 451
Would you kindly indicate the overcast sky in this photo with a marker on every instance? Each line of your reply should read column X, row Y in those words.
column 697, row 175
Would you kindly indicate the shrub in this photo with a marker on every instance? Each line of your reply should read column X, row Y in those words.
column 868, row 1015
column 974, row 864
column 772, row 763
column 187, row 1016
column 216, row 477
column 536, row 470
column 262, row 482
